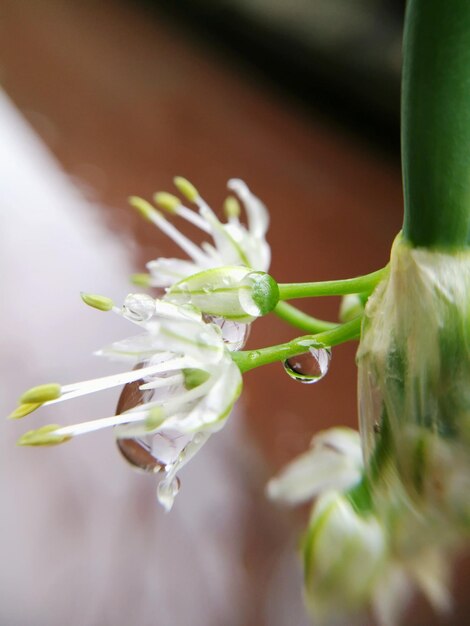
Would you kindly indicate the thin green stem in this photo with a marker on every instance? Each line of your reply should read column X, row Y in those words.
column 360, row 284
column 249, row 359
column 299, row 319
column 436, row 123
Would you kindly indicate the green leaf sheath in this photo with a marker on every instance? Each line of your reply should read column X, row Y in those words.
column 436, row 124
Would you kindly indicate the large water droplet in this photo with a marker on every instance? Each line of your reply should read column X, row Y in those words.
column 310, row 367
column 136, row 451
column 138, row 307
column 245, row 294
column 154, row 452
column 234, row 334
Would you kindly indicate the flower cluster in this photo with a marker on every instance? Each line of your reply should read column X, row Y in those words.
column 180, row 364
column 349, row 550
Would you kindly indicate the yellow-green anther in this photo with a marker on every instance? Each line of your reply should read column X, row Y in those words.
column 144, row 207
column 187, row 189
column 24, row 409
column 102, row 303
column 141, row 280
column 194, row 377
column 41, row 394
column 232, row 207
column 44, row 436
column 167, row 201
column 155, row 418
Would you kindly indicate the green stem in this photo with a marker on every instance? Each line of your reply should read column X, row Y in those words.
column 436, row 123
column 359, row 284
column 299, row 319
column 249, row 359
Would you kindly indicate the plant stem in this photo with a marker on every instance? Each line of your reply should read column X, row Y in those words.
column 299, row 319
column 249, row 359
column 359, row 284
column 436, row 123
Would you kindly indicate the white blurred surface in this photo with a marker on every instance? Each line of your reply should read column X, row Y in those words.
column 82, row 541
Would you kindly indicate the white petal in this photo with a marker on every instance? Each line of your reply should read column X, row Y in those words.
column 258, row 216
column 333, row 462
column 165, row 272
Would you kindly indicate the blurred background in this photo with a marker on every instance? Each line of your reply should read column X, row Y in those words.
column 104, row 100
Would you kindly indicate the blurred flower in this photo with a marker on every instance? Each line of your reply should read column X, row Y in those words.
column 355, row 556
column 334, row 461
column 186, row 364
column 344, row 555
column 233, row 243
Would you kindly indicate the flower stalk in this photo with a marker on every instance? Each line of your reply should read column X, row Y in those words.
column 435, row 116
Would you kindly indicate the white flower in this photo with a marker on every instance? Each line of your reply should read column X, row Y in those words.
column 185, row 364
column 233, row 243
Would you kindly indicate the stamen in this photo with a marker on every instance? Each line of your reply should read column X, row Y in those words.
column 161, row 382
column 232, row 208
column 102, row 303
column 183, row 242
column 167, row 201
column 75, row 390
column 41, row 394
column 186, row 188
column 161, row 198
column 141, row 280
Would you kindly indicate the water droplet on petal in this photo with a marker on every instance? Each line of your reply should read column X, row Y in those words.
column 136, row 451
column 310, row 367
column 138, row 307
column 234, row 334
column 153, row 452
column 245, row 294
column 167, row 491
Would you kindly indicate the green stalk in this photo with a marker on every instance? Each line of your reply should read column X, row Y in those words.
column 360, row 284
column 249, row 359
column 436, row 124
column 301, row 320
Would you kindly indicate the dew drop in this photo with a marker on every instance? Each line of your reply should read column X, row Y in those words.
column 167, row 491
column 245, row 294
column 138, row 451
column 138, row 307
column 310, row 367
column 234, row 334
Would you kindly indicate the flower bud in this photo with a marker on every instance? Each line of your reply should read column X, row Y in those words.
column 344, row 555
column 235, row 293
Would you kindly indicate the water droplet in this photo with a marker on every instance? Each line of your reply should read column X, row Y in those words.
column 149, row 453
column 167, row 491
column 136, row 451
column 154, row 452
column 138, row 307
column 245, row 294
column 234, row 334
column 309, row 367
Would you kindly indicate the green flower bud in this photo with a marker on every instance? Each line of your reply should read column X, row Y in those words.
column 236, row 293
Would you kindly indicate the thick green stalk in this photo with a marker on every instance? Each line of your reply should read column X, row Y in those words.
column 436, row 123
